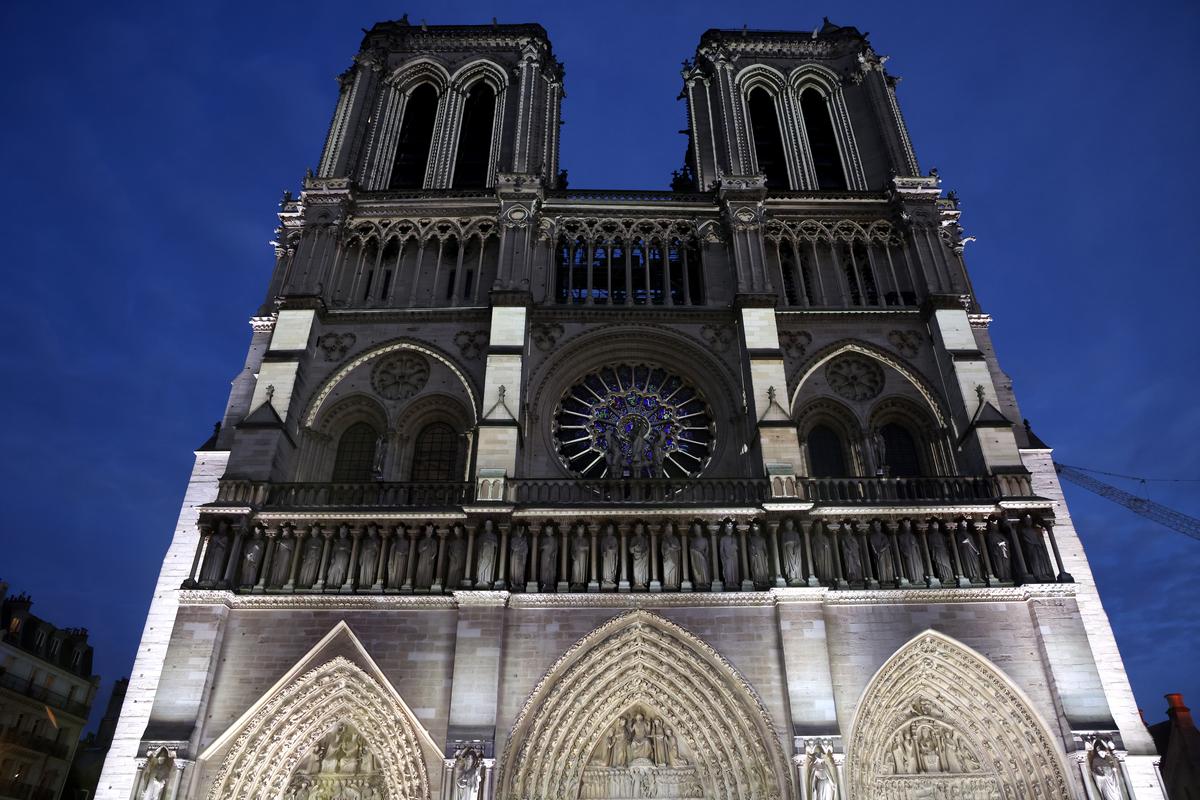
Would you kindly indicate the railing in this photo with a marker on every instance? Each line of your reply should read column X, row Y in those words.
column 32, row 741
column 870, row 491
column 52, row 698
column 374, row 495
column 663, row 492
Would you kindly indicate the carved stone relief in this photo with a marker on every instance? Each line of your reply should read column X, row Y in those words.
column 335, row 345
column 471, row 344
column 907, row 343
column 640, row 757
column 719, row 337
column 400, row 376
column 545, row 335
column 340, row 765
column 794, row 343
column 854, row 377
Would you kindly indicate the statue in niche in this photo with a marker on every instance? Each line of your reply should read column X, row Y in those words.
column 252, row 555
column 822, row 773
column 485, row 563
column 940, row 554
column 214, row 558
column 881, row 548
column 852, row 555
column 641, row 749
column 730, row 572
column 281, row 561
column 618, row 744
column 580, row 550
column 368, row 559
column 698, row 556
column 614, row 459
column 793, row 553
column 1034, row 546
column 639, row 553
column 427, row 549
column 637, row 451
column 658, row 454
column 310, row 565
column 156, row 774
column 910, row 553
column 339, row 561
column 457, row 558
column 467, row 763
column 823, row 555
column 659, row 739
column 548, row 558
column 997, row 546
column 968, row 552
column 610, row 562
column 674, row 759
column 1104, row 769
column 397, row 568
column 518, row 552
column 760, row 569
column 671, row 553
column 380, row 454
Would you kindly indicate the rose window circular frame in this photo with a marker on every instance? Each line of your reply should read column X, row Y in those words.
column 655, row 415
column 855, row 377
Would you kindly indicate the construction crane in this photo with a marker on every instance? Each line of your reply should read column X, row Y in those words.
column 1138, row 505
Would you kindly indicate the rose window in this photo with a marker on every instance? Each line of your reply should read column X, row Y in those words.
column 855, row 377
column 633, row 421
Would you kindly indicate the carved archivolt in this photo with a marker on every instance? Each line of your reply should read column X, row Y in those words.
column 598, row 230
column 938, row 720
column 285, row 731
column 642, row 663
column 812, row 230
column 423, row 229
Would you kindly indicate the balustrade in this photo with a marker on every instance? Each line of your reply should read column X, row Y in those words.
column 54, row 699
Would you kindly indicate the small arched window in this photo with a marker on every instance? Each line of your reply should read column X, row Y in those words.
column 900, row 451
column 822, row 142
column 435, row 456
column 475, row 138
column 416, row 135
column 825, row 456
column 355, row 459
column 768, row 142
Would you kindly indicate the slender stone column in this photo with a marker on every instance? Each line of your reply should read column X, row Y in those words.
column 268, row 555
column 235, row 555
column 989, row 575
column 198, row 559
column 327, row 534
column 385, row 553
column 864, row 546
column 1063, row 575
column 744, row 556
column 893, row 534
column 502, row 558
column 655, row 583
column 773, row 543
column 623, row 585
column 714, row 561
column 1023, row 575
column 960, row 578
column 531, row 561
column 468, row 579
column 593, row 529
column 834, row 529
column 355, row 542
column 806, row 528
column 685, row 578
column 564, row 545
column 439, row 570
column 297, row 553
column 410, row 572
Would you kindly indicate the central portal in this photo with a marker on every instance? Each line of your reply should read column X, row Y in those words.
column 640, row 757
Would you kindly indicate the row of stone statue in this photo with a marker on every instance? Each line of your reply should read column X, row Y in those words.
column 639, row 740
column 717, row 555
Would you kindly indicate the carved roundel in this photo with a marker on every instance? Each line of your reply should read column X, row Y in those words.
column 854, row 377
column 401, row 376
column 633, row 421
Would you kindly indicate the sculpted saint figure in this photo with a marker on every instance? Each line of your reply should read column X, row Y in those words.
column 822, row 775
column 368, row 559
column 730, row 569
column 1034, row 546
column 639, row 552
column 548, row 560
column 485, row 564
column 674, row 759
column 940, row 554
column 997, row 546
column 640, row 746
column 427, row 549
column 910, row 553
column 310, row 566
column 659, row 739
column 1103, row 767
column 281, row 562
column 518, row 551
column 618, row 744
column 466, row 773
column 881, row 547
column 610, row 561
column 658, row 453
column 580, row 550
column 157, row 772
column 823, row 555
column 968, row 552
column 251, row 557
column 214, row 558
column 698, row 556
column 457, row 561
column 793, row 554
column 904, row 753
column 760, row 570
column 339, row 561
column 397, row 568
column 851, row 555
column 613, row 457
column 671, row 553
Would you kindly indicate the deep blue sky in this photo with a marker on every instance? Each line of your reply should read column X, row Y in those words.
column 146, row 145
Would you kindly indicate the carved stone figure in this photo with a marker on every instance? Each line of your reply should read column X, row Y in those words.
column 518, row 551
column 214, row 558
column 881, row 549
column 822, row 774
column 618, row 744
column 698, row 556
column 1102, row 766
column 156, row 774
column 658, row 452
column 614, row 459
column 486, row 545
column 397, row 568
column 548, row 558
column 467, row 761
column 793, row 553
column 659, row 739
column 339, row 560
column 760, row 568
column 427, row 549
column 580, row 550
column 851, row 556
column 310, row 564
column 281, row 561
column 368, row 560
column 456, row 561
column 639, row 553
column 730, row 569
column 910, row 553
column 252, row 555
column 939, row 554
column 641, row 748
column 968, row 552
column 671, row 554
column 610, row 561
column 1033, row 545
column 823, row 555
column 998, row 551
column 674, row 759
column 904, row 754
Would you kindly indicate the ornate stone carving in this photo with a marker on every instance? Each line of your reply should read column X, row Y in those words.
column 468, row 766
column 335, row 345
column 719, row 337
column 907, row 343
column 1103, row 769
column 486, row 545
column 854, row 377
column 471, row 344
column 820, row 772
column 400, row 376
column 341, row 765
column 794, row 343
column 156, row 775
column 639, row 757
column 545, row 335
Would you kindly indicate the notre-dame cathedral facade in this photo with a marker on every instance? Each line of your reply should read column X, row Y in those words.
column 530, row 492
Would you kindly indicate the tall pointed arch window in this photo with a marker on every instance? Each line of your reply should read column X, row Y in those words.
column 416, row 136
column 900, row 451
column 475, row 138
column 435, row 454
column 355, row 459
column 768, row 142
column 822, row 141
column 826, row 458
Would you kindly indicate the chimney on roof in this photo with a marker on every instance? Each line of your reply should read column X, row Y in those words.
column 1180, row 714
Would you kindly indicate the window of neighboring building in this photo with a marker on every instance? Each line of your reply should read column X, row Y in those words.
column 55, row 647
column 475, row 138
column 768, row 141
column 355, row 459
column 435, row 455
column 14, row 625
column 825, row 456
column 822, row 142
column 39, row 639
column 416, row 135
column 900, row 451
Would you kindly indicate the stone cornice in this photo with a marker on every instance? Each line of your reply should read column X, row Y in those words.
column 200, row 597
column 990, row 594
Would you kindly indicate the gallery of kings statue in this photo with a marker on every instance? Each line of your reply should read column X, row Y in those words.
column 531, row 492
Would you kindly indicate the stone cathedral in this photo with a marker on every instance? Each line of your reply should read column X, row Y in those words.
column 532, row 492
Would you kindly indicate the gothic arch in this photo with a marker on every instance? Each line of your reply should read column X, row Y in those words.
column 481, row 68
column 641, row 660
column 421, row 70
column 998, row 744
column 827, row 83
column 840, row 419
column 349, row 410
column 293, row 720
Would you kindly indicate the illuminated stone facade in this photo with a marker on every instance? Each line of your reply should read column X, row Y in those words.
column 531, row 492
